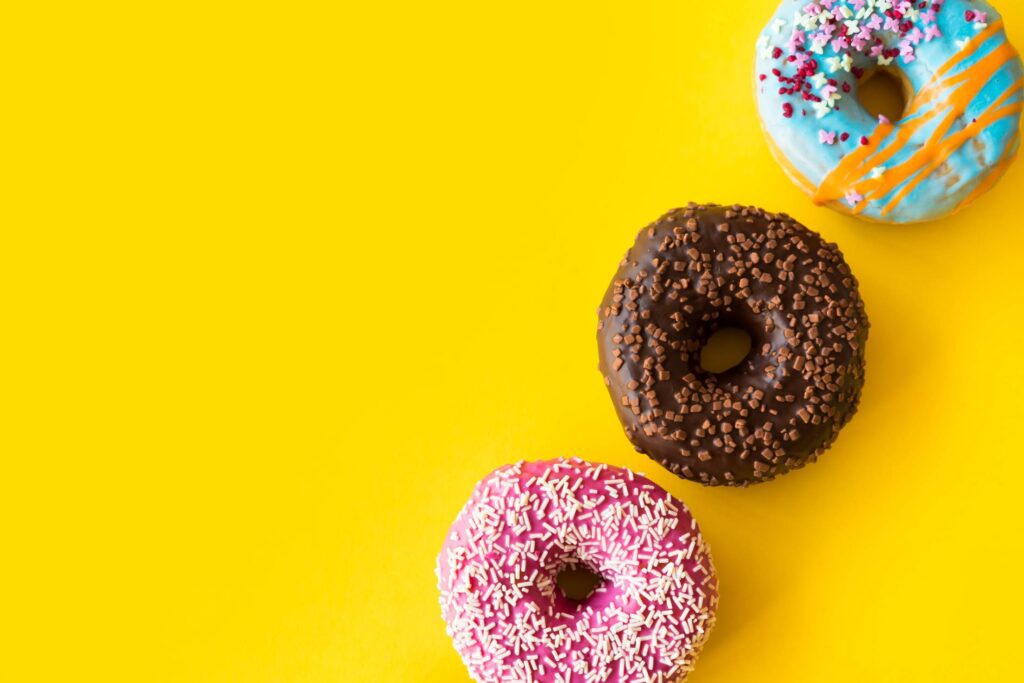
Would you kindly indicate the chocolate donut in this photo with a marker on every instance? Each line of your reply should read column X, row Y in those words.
column 706, row 267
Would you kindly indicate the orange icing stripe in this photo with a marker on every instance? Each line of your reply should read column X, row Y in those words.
column 852, row 169
column 994, row 175
column 950, row 145
column 972, row 47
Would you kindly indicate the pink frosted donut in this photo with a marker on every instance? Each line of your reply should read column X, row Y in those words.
column 526, row 523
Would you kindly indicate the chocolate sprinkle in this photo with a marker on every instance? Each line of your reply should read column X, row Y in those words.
column 704, row 267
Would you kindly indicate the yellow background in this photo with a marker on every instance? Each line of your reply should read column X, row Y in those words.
column 282, row 280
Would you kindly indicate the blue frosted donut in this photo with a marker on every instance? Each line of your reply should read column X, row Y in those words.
column 960, row 131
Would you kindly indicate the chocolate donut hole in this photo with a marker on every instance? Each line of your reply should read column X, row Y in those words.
column 726, row 348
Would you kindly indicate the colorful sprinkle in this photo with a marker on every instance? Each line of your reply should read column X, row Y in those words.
column 850, row 29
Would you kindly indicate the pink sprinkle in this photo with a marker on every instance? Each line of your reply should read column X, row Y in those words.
column 826, row 138
column 892, row 24
column 853, row 198
column 875, row 22
column 928, row 17
column 840, row 44
column 857, row 4
column 932, row 31
column 981, row 18
column 796, row 40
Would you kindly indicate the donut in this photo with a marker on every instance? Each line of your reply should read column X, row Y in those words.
column 524, row 525
column 961, row 127
column 706, row 267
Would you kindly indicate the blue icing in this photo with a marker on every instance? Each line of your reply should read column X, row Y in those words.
column 943, row 189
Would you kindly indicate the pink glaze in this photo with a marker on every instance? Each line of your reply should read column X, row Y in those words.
column 523, row 525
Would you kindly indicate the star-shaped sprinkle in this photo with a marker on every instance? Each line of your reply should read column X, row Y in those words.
column 878, row 172
column 826, row 137
column 853, row 198
column 884, row 61
column 932, row 31
column 778, row 25
column 821, row 109
column 847, row 62
column 819, row 80
column 961, row 44
column 834, row 64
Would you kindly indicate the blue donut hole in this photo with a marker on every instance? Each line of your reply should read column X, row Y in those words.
column 886, row 92
column 578, row 583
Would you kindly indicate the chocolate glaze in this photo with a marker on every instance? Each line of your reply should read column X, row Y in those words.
column 704, row 267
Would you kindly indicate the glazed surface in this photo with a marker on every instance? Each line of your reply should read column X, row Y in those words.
column 961, row 128
column 702, row 268
column 527, row 522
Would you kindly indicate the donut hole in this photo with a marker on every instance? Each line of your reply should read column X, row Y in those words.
column 578, row 583
column 885, row 92
column 725, row 349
